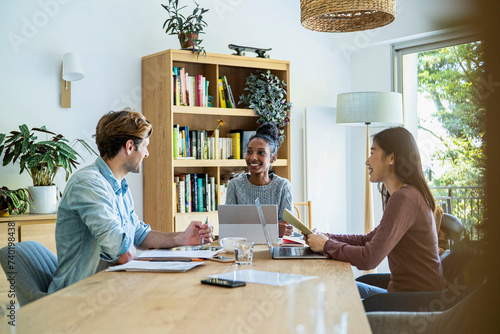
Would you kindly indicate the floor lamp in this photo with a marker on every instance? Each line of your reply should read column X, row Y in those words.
column 365, row 109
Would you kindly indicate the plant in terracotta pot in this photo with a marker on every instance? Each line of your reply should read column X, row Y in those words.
column 187, row 28
column 42, row 159
column 267, row 97
column 14, row 202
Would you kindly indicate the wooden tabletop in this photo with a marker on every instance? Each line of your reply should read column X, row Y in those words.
column 127, row 302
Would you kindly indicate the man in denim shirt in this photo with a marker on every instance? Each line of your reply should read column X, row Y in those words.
column 96, row 221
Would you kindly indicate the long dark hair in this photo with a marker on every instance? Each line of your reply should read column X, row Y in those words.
column 407, row 163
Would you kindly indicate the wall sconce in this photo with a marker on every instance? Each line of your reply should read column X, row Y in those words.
column 72, row 70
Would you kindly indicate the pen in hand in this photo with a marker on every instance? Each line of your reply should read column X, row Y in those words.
column 203, row 239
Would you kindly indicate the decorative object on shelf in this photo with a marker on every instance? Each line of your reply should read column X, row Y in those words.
column 267, row 97
column 187, row 28
column 72, row 70
column 14, row 202
column 365, row 109
column 346, row 15
column 240, row 50
column 40, row 158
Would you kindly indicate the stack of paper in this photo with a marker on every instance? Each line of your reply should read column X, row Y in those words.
column 164, row 267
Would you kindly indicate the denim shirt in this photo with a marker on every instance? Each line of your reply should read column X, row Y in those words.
column 95, row 220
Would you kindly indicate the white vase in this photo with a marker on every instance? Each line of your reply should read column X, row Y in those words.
column 44, row 199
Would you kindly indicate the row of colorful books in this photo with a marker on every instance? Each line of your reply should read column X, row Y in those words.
column 190, row 90
column 226, row 98
column 203, row 144
column 197, row 193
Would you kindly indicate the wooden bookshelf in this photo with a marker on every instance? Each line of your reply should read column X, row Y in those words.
column 157, row 105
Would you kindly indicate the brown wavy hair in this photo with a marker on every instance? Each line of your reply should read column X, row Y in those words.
column 117, row 127
column 407, row 163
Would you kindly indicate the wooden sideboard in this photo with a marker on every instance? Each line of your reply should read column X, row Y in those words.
column 39, row 227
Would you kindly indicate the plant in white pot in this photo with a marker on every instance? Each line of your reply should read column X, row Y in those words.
column 42, row 159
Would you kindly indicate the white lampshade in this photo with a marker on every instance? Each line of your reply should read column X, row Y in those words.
column 72, row 69
column 374, row 108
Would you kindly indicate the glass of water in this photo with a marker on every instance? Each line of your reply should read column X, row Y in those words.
column 243, row 252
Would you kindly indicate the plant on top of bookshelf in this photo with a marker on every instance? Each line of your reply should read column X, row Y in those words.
column 267, row 97
column 187, row 28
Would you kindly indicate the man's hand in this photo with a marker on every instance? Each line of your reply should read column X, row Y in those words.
column 128, row 256
column 316, row 241
column 285, row 229
column 195, row 233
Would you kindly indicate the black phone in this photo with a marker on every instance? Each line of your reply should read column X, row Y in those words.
column 223, row 282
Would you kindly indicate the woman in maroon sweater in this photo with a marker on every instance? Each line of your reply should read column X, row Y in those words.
column 406, row 234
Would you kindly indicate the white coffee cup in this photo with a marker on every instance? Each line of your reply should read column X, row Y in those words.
column 228, row 243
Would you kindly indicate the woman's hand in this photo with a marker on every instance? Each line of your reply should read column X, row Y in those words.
column 316, row 241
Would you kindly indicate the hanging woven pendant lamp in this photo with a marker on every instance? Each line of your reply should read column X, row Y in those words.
column 346, row 15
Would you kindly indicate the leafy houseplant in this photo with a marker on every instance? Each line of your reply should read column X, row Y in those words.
column 14, row 202
column 187, row 28
column 41, row 159
column 267, row 96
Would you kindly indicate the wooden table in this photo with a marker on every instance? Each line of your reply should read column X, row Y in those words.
column 126, row 302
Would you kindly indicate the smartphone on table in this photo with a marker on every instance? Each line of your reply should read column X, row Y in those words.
column 222, row 282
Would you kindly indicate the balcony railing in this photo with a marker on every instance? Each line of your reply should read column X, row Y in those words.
column 466, row 203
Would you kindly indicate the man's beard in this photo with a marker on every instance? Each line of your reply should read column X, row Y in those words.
column 132, row 167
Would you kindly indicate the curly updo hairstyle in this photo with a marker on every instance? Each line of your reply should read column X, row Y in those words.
column 268, row 132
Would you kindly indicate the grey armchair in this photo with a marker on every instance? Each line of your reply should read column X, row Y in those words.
column 33, row 268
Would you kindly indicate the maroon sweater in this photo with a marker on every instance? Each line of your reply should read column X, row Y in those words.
column 406, row 235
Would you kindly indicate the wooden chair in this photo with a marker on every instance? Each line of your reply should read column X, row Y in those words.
column 309, row 214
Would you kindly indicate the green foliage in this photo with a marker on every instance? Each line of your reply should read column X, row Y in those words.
column 41, row 159
column 267, row 97
column 451, row 78
column 14, row 201
column 178, row 24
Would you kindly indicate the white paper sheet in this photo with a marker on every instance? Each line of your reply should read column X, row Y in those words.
column 168, row 267
column 263, row 277
column 194, row 254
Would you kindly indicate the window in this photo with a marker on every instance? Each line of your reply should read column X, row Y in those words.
column 442, row 88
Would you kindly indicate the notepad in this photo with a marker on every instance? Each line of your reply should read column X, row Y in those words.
column 165, row 253
column 163, row 267
column 290, row 219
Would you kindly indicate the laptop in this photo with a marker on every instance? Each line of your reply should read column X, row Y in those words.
column 242, row 220
column 283, row 253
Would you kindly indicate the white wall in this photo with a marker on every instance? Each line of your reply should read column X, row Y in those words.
column 112, row 36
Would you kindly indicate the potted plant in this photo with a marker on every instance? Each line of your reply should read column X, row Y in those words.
column 13, row 202
column 267, row 97
column 42, row 159
column 187, row 28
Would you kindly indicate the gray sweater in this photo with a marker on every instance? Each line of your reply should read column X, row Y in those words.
column 278, row 191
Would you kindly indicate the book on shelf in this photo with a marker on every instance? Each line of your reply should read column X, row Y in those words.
column 186, row 146
column 175, row 136
column 194, row 199
column 187, row 179
column 222, row 98
column 195, row 192
column 228, row 94
column 182, row 193
column 237, row 135
column 189, row 90
column 244, row 142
